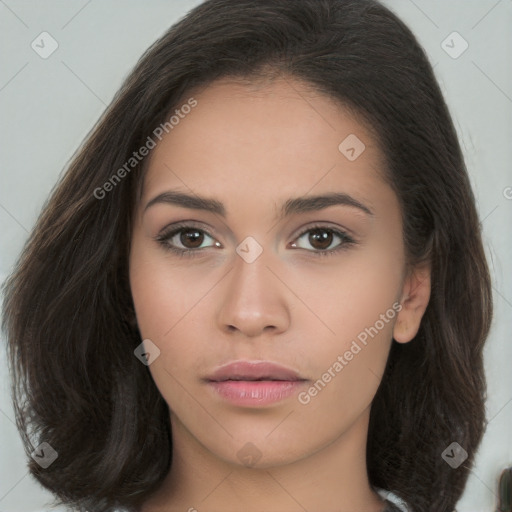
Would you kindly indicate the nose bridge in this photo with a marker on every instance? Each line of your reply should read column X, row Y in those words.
column 253, row 299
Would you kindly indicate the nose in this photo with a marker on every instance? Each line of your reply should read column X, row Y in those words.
column 253, row 300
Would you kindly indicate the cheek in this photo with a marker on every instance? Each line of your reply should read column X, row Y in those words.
column 168, row 302
column 371, row 282
column 352, row 294
column 163, row 293
column 356, row 301
column 347, row 366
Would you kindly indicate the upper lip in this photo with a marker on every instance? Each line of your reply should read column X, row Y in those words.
column 253, row 370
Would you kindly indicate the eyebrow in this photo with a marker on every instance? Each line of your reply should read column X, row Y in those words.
column 292, row 206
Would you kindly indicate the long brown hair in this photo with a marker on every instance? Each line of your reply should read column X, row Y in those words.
column 68, row 311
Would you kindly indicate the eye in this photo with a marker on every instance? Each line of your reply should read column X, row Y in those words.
column 187, row 240
column 320, row 238
column 184, row 239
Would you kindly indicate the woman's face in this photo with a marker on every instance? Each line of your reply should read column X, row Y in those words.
column 273, row 275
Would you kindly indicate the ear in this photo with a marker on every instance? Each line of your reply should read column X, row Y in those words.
column 414, row 302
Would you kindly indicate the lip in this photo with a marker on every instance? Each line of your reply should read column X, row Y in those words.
column 254, row 383
column 253, row 370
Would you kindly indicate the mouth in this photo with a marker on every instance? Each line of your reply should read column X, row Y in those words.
column 254, row 371
column 248, row 378
column 254, row 384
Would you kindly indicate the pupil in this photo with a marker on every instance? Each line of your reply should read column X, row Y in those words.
column 192, row 237
column 322, row 236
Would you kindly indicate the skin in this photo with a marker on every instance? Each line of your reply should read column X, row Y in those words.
column 252, row 147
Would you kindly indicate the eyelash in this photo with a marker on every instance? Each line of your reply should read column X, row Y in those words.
column 164, row 237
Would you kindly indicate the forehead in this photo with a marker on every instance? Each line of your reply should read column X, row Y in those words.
column 265, row 138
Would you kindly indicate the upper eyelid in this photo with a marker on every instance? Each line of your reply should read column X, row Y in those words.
column 176, row 228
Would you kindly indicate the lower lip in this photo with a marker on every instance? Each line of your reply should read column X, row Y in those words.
column 257, row 392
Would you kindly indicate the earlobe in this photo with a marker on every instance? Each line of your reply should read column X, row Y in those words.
column 414, row 302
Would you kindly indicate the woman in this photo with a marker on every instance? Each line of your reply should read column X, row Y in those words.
column 261, row 283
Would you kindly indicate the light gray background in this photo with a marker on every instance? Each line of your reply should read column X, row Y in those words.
column 49, row 105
